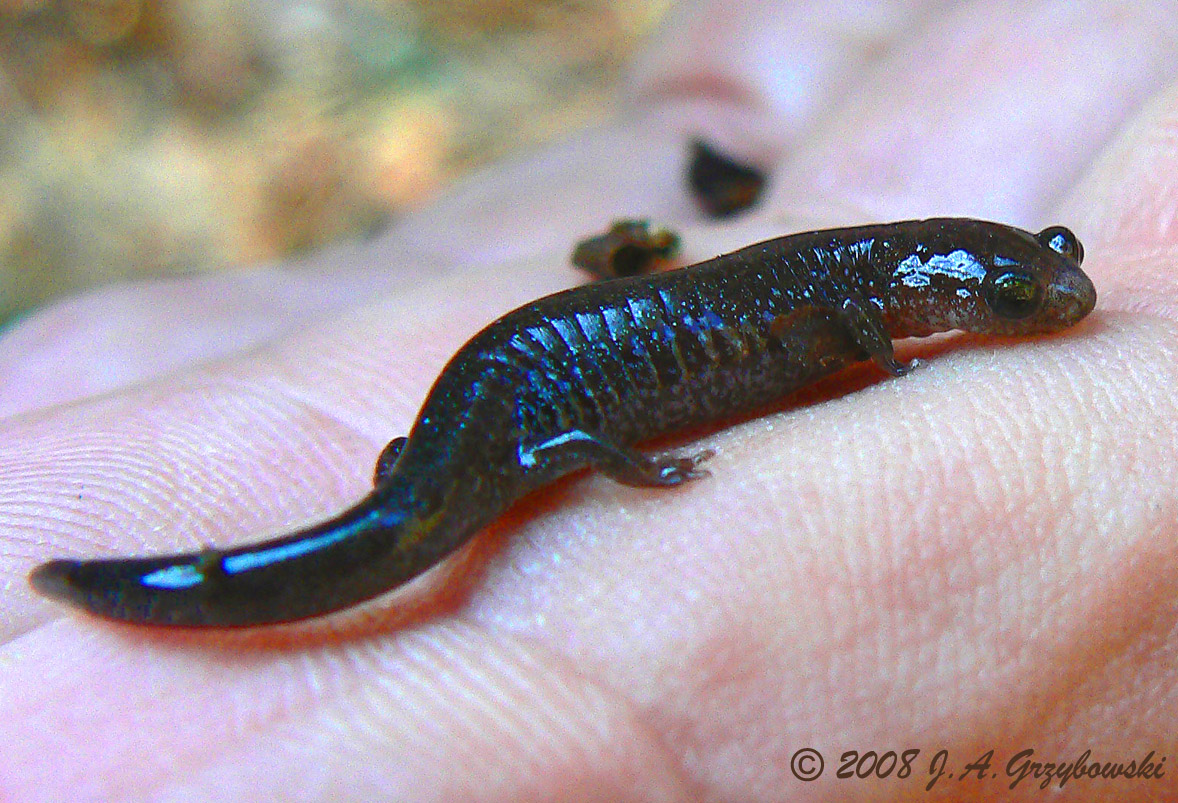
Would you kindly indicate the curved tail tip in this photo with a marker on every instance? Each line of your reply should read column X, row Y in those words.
column 54, row 579
column 94, row 586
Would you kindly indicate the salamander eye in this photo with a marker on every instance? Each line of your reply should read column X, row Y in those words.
column 1062, row 241
column 1013, row 294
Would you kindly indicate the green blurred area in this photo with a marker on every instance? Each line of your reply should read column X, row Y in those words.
column 141, row 138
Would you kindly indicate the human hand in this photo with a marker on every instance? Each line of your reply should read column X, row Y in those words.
column 979, row 556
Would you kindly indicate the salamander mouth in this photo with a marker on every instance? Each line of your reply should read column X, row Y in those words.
column 1069, row 299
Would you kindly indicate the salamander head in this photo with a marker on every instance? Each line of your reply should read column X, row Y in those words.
column 988, row 278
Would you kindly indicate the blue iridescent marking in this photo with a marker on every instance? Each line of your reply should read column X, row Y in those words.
column 185, row 576
column 235, row 564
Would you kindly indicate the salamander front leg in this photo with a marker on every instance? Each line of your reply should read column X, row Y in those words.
column 623, row 464
column 868, row 330
column 388, row 459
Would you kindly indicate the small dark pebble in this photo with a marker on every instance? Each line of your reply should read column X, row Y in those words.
column 721, row 186
column 629, row 248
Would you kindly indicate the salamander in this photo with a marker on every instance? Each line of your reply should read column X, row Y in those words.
column 576, row 379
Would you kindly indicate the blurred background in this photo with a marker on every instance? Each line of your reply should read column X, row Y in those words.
column 145, row 137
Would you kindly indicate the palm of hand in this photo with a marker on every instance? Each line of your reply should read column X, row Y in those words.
column 979, row 556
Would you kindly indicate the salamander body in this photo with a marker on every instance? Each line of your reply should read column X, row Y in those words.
column 575, row 379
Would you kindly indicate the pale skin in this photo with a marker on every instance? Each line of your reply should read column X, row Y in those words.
column 980, row 555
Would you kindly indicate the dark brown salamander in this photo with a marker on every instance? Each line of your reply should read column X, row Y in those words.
column 574, row 379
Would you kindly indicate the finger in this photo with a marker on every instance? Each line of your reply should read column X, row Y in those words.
column 445, row 713
column 992, row 111
column 1127, row 209
column 118, row 335
column 780, row 61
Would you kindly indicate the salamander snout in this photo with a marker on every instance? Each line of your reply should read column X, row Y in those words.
column 1070, row 296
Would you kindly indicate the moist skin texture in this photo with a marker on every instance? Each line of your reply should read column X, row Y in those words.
column 574, row 379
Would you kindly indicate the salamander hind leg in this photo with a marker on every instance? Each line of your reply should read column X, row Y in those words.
column 388, row 459
column 620, row 463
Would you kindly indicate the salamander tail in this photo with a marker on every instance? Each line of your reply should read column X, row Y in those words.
column 354, row 556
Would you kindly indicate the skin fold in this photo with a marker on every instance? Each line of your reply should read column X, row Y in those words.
column 982, row 559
